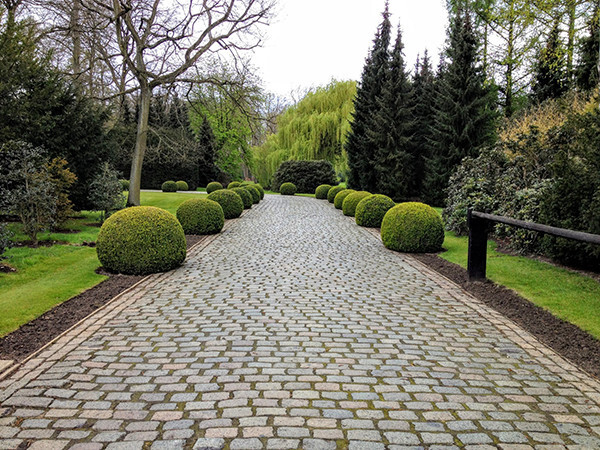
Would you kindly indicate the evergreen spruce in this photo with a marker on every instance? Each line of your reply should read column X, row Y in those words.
column 207, row 145
column 393, row 164
column 550, row 75
column 586, row 71
column 360, row 147
column 465, row 111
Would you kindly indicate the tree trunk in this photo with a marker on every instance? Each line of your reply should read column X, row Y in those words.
column 140, row 146
column 76, row 40
column 508, row 106
column 571, row 38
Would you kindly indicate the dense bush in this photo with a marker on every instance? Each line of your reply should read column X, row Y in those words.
column 213, row 186
column 234, row 184
column 351, row 202
column 141, row 240
column 232, row 203
column 124, row 185
column 169, row 186
column 321, row 191
column 106, row 192
column 338, row 202
column 260, row 190
column 254, row 192
column 182, row 186
column 306, row 175
column 246, row 197
column 412, row 228
column 201, row 216
column 62, row 179
column 288, row 189
column 333, row 192
column 371, row 210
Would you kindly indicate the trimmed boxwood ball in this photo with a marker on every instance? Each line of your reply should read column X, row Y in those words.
column 234, row 184
column 245, row 195
column 338, row 202
column 201, row 216
column 413, row 228
column 371, row 210
column 125, row 185
column 232, row 203
column 335, row 190
column 351, row 201
column 260, row 189
column 288, row 189
column 321, row 191
column 169, row 186
column 141, row 240
column 182, row 186
column 213, row 186
column 254, row 192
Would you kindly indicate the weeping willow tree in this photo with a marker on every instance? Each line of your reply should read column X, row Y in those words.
column 315, row 128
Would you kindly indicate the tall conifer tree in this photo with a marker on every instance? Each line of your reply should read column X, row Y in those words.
column 360, row 146
column 550, row 73
column 465, row 111
column 586, row 71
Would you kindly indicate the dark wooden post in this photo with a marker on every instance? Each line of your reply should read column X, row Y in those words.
column 478, row 235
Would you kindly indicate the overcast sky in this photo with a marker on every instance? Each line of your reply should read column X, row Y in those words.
column 311, row 42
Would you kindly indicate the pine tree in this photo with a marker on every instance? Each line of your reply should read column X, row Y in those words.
column 586, row 71
column 394, row 164
column 360, row 148
column 550, row 75
column 207, row 146
column 465, row 111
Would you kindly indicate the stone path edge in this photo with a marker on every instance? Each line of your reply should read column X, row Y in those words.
column 12, row 368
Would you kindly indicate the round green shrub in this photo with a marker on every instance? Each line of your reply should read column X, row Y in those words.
column 213, row 186
column 254, row 192
column 371, row 210
column 234, row 184
column 201, row 216
column 182, row 186
column 321, row 191
column 351, row 201
column 413, row 228
column 232, row 203
column 333, row 192
column 245, row 195
column 169, row 186
column 245, row 183
column 141, row 240
column 287, row 189
column 125, row 185
column 260, row 189
column 338, row 202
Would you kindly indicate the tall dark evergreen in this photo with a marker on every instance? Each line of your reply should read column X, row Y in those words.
column 465, row 111
column 550, row 74
column 586, row 72
column 391, row 132
column 207, row 144
column 422, row 101
column 360, row 146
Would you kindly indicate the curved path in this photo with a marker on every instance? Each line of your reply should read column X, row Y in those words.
column 297, row 329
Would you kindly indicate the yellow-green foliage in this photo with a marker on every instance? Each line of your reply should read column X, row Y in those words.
column 201, row 216
column 245, row 195
column 231, row 202
column 234, row 184
column 182, row 185
column 213, row 186
column 371, row 210
column 260, row 190
column 351, row 202
column 141, row 240
column 288, row 189
column 413, row 228
column 321, row 191
column 313, row 129
column 254, row 192
column 333, row 192
column 338, row 202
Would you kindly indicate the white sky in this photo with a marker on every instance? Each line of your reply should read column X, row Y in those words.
column 311, row 42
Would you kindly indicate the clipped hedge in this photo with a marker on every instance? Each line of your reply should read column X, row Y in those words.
column 234, row 184
column 321, row 191
column 232, row 203
column 260, row 189
column 213, row 186
column 338, row 202
column 333, row 192
column 254, row 192
column 245, row 195
column 169, row 186
column 141, row 240
column 306, row 175
column 201, row 216
column 125, row 185
column 413, row 228
column 182, row 185
column 351, row 201
column 288, row 189
column 371, row 210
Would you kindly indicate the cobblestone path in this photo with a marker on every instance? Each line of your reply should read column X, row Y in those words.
column 297, row 329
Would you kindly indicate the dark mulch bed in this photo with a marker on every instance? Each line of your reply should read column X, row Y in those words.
column 566, row 339
column 34, row 335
